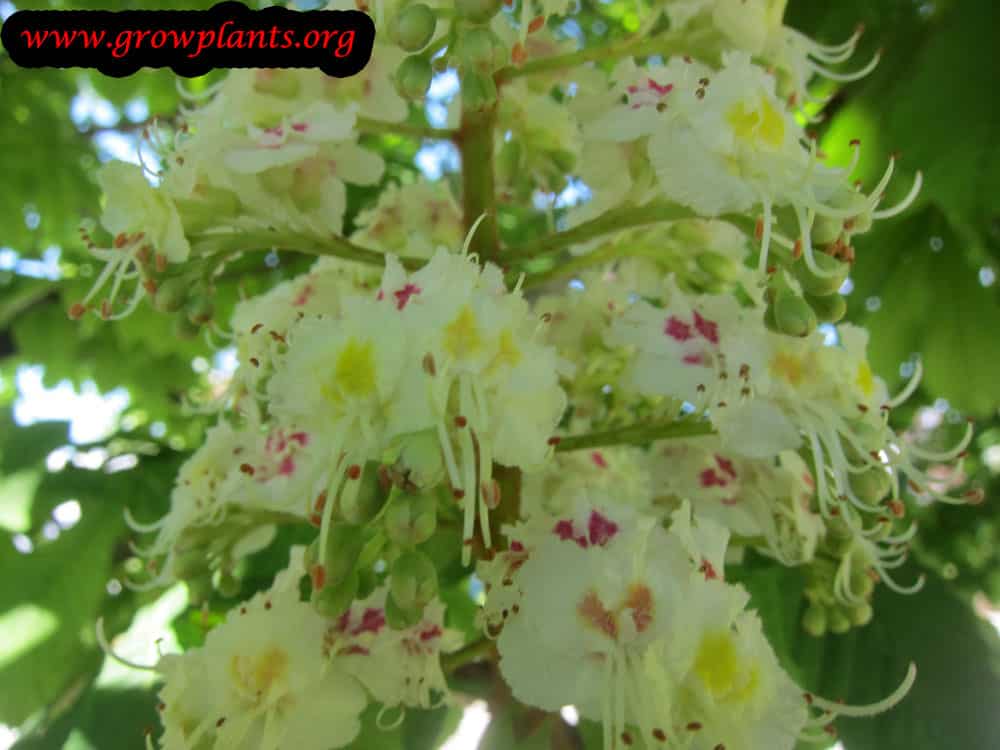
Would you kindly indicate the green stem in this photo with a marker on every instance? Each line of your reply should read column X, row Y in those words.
column 483, row 649
column 615, row 220
column 266, row 240
column 478, row 186
column 380, row 127
column 637, row 46
column 637, row 434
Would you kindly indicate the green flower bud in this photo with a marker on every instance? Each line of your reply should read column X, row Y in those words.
column 826, row 230
column 370, row 498
column 821, row 285
column 411, row 520
column 333, row 601
column 478, row 91
column 717, row 265
column 413, row 76
column 814, row 621
column 829, row 308
column 200, row 589
column 861, row 614
column 368, row 581
column 412, row 27
column 413, row 580
column 399, row 617
column 184, row 329
column 477, row 11
column 200, row 309
column 479, row 48
column 838, row 621
column 171, row 294
column 563, row 160
column 343, row 547
column 190, row 563
column 227, row 584
column 792, row 314
column 420, row 460
column 861, row 582
column 871, row 485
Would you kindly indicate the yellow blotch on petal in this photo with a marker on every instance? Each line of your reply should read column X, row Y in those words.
column 763, row 124
column 259, row 674
column 354, row 373
column 717, row 664
column 865, row 379
column 788, row 367
column 462, row 337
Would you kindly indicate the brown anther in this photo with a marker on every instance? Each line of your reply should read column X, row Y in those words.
column 536, row 23
column 699, row 93
column 720, row 746
column 277, row 337
column 121, row 239
column 318, row 575
column 458, row 494
column 468, row 542
column 722, row 405
column 77, row 311
column 161, row 262
column 693, row 726
column 627, row 738
column 428, row 364
column 243, row 610
column 808, row 697
column 862, row 408
column 744, row 371
column 247, row 469
column 160, row 706
column 758, row 231
column 267, row 604
column 797, row 249
column 515, row 608
column 659, row 735
column 835, row 511
column 897, row 508
column 255, row 362
column 491, row 493
column 220, row 722
column 518, row 54
column 320, row 502
column 547, row 317
column 461, row 421
column 688, row 59
column 831, row 730
column 316, row 519
column 149, row 285
column 975, row 496
column 700, row 388
column 256, row 327
column 353, row 471
column 554, row 440
column 914, row 486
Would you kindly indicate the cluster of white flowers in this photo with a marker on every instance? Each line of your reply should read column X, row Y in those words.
column 606, row 448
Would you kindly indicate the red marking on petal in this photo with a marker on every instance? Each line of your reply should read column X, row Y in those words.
column 677, row 329
column 709, row 478
column 598, row 458
column 430, row 633
column 707, row 328
column 726, row 465
column 287, row 466
column 693, row 359
column 403, row 295
column 708, row 569
column 601, row 529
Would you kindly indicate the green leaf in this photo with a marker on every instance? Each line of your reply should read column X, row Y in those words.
column 931, row 304
column 958, row 684
column 49, row 601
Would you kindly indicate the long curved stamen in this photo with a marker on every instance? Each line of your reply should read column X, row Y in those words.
column 948, row 455
column 449, row 456
column 133, row 303
column 379, row 719
column 899, row 589
column 765, row 239
column 472, row 232
column 102, row 641
column 909, row 388
column 843, row 709
column 143, row 528
column 471, row 494
column 845, row 77
column 887, row 213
